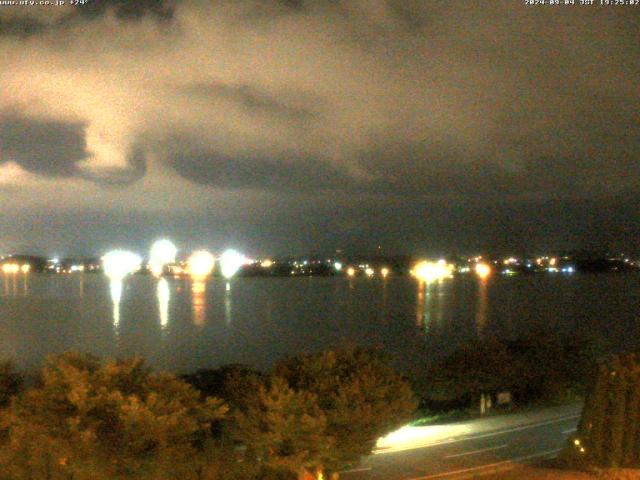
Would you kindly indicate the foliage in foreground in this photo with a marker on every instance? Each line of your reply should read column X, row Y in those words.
column 361, row 396
column 88, row 420
column 609, row 431
column 284, row 429
column 323, row 410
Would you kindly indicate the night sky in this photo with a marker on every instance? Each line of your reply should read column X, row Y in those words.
column 282, row 127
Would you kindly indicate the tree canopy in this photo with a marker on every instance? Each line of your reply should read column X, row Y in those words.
column 10, row 382
column 284, row 428
column 86, row 419
column 361, row 396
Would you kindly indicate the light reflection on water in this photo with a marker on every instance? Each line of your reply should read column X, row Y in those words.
column 115, row 288
column 15, row 284
column 164, row 296
column 182, row 324
column 481, row 307
column 227, row 303
column 199, row 301
column 431, row 301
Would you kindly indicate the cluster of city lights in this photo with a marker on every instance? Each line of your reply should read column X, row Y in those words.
column 368, row 271
column 117, row 264
column 427, row 271
column 9, row 268
column 201, row 264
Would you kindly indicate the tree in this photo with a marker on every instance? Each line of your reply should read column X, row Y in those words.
column 87, row 419
column 609, row 431
column 539, row 365
column 361, row 396
column 235, row 384
column 10, row 382
column 283, row 429
column 470, row 371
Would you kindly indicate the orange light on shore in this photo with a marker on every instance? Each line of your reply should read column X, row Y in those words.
column 200, row 264
column 384, row 272
column 351, row 271
column 10, row 268
column 483, row 270
column 430, row 271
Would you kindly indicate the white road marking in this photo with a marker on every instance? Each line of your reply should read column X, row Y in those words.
column 488, row 466
column 354, row 470
column 477, row 451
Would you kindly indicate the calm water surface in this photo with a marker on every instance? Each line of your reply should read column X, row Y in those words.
column 182, row 325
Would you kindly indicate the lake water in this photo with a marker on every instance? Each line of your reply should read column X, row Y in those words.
column 182, row 325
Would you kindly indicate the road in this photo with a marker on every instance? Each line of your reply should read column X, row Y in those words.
column 469, row 449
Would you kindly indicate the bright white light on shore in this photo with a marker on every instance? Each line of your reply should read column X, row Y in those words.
column 118, row 264
column 200, row 264
column 369, row 272
column 230, row 263
column 162, row 252
column 431, row 271
column 337, row 266
column 483, row 270
column 26, row 268
column 266, row 263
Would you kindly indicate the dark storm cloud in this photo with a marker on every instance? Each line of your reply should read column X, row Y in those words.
column 254, row 172
column 26, row 23
column 130, row 10
column 252, row 100
column 560, row 119
column 46, row 147
column 22, row 26
column 51, row 148
column 449, row 119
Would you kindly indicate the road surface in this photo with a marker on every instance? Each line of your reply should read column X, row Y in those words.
column 469, row 449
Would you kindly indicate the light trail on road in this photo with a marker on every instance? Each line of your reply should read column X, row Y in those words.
column 477, row 447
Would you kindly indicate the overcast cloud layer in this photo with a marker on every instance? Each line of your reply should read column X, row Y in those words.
column 295, row 126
